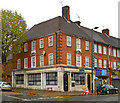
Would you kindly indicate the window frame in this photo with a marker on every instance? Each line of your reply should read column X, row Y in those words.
column 19, row 78
column 51, row 77
column 25, row 62
column 34, row 79
column 104, row 63
column 99, row 49
column 95, row 48
column 79, row 80
column 87, row 61
column 26, row 47
column 41, row 42
column 69, row 41
column 78, row 61
column 42, row 60
column 32, row 62
column 33, row 46
column 100, row 63
column 104, row 50
column 68, row 58
column 114, row 52
column 50, row 41
column 18, row 63
column 78, row 44
column 86, row 45
column 95, row 62
column 50, row 59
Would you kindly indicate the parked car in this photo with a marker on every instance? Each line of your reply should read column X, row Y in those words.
column 5, row 86
column 109, row 89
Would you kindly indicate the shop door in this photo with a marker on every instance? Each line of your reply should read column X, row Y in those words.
column 65, row 82
column 88, row 81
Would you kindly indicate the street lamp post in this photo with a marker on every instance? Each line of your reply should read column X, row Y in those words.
column 92, row 54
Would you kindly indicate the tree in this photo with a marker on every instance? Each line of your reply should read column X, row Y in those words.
column 14, row 33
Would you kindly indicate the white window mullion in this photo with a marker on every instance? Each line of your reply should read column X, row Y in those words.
column 51, row 59
column 68, row 59
column 78, row 43
column 25, row 62
column 68, row 41
column 50, row 41
column 18, row 64
column 33, row 61
column 42, row 60
column 41, row 43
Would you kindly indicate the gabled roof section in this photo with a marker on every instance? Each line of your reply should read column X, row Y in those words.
column 43, row 28
column 102, row 38
column 54, row 25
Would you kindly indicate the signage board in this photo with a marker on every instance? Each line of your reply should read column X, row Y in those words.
column 102, row 73
column 81, row 72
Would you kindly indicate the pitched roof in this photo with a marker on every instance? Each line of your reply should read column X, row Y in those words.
column 54, row 25
column 68, row 27
column 102, row 38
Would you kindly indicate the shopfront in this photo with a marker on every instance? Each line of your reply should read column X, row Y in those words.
column 103, row 76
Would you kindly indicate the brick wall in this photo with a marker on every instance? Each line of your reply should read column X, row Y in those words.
column 61, row 53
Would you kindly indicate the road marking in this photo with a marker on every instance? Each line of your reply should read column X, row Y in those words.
column 19, row 98
column 34, row 99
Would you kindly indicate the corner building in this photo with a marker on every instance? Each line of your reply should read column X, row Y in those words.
column 58, row 56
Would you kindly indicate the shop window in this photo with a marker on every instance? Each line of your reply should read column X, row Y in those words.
column 20, row 79
column 79, row 80
column 51, row 78
column 34, row 79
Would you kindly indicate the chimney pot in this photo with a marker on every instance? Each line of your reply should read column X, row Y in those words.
column 77, row 22
column 66, row 12
column 105, row 31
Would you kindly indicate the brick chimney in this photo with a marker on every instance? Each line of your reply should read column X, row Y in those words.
column 105, row 31
column 66, row 12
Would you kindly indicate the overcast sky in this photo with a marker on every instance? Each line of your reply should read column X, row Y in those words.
column 92, row 13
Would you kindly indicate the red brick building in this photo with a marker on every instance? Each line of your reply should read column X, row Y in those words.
column 58, row 56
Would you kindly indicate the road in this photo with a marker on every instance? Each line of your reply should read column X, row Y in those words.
column 12, row 96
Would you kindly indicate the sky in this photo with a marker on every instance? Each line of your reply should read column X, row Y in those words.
column 92, row 13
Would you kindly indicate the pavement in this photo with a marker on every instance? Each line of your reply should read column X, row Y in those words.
column 50, row 93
